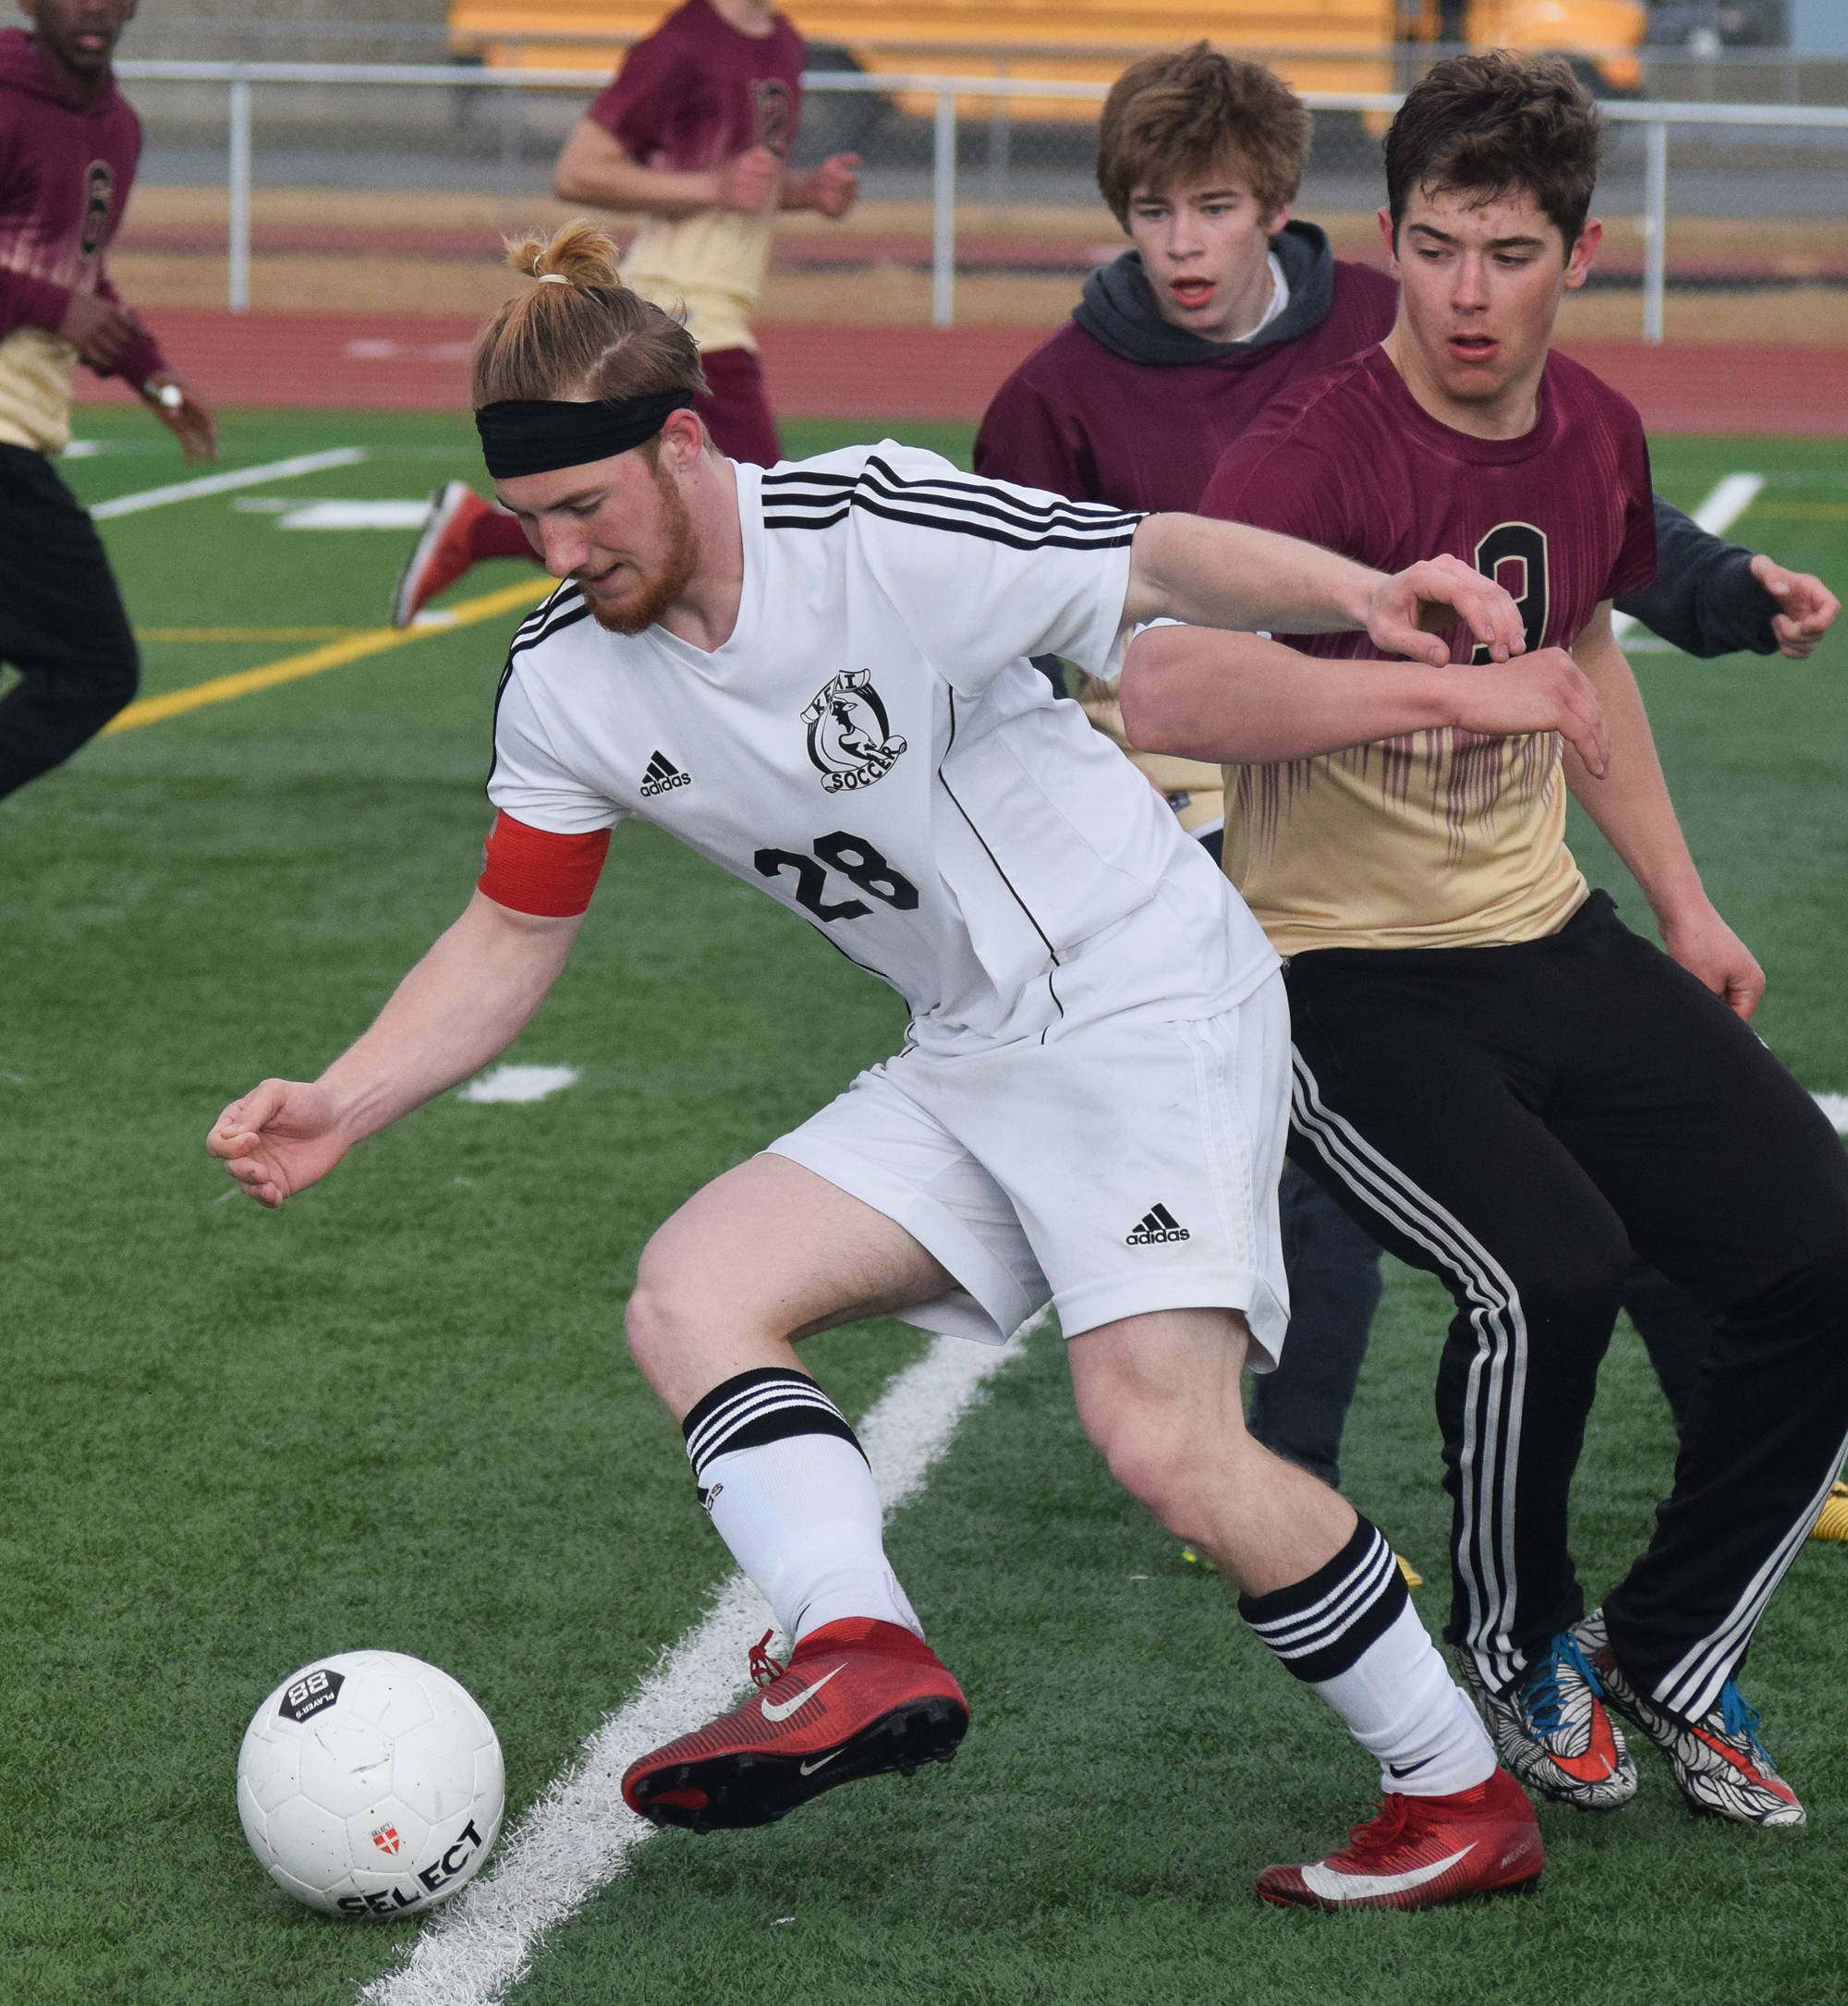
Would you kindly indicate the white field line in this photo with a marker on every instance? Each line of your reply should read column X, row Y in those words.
column 519, row 1082
column 1835, row 1105
column 580, row 1834
column 245, row 476
column 1716, row 515
column 404, row 515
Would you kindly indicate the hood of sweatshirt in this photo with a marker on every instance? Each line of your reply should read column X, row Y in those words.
column 1117, row 306
column 21, row 69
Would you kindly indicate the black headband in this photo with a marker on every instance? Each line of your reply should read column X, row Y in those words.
column 537, row 437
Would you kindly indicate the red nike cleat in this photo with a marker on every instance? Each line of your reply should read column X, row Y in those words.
column 443, row 551
column 1423, row 1851
column 857, row 1698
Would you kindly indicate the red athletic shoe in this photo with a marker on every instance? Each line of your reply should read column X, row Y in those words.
column 857, row 1698
column 443, row 552
column 1422, row 1851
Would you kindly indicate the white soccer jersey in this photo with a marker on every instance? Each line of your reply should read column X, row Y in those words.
column 873, row 748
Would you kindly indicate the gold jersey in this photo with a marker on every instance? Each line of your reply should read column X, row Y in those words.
column 1436, row 839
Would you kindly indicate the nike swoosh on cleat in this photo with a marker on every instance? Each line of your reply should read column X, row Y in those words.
column 1333, row 1887
column 780, row 1709
column 809, row 1768
column 1746, row 1768
column 1598, row 1761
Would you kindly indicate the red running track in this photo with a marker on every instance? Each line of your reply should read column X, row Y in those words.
column 369, row 362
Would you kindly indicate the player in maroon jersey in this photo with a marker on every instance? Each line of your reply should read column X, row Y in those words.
column 694, row 131
column 69, row 147
column 1504, row 1085
column 1221, row 304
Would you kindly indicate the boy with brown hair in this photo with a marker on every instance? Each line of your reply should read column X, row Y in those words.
column 1221, row 303
column 1500, row 1081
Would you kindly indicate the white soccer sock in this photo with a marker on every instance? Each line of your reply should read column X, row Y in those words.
column 787, row 1486
column 1350, row 1632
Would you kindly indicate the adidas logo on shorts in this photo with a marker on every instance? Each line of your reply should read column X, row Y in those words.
column 662, row 774
column 1157, row 1224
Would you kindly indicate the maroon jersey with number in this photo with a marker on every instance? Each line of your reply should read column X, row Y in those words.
column 1439, row 838
column 66, row 171
column 693, row 95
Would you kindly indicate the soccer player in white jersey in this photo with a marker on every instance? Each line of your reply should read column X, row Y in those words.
column 817, row 677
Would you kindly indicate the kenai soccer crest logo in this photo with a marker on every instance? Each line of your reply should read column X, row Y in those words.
column 850, row 738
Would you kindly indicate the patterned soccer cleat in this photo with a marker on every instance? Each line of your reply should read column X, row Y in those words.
column 857, row 1698
column 1423, row 1851
column 1551, row 1729
column 1718, row 1760
column 1831, row 1522
column 443, row 552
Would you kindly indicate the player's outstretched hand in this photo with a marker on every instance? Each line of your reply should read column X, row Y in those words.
column 1545, row 691
column 1807, row 608
column 281, row 1138
column 1708, row 949
column 1408, row 610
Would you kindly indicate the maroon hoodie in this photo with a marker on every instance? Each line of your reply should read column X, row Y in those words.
column 1120, row 406
column 65, row 174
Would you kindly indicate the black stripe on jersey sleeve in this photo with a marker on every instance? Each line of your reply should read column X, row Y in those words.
column 494, row 723
column 809, row 477
column 986, row 498
column 547, row 606
column 1031, row 540
column 566, row 617
column 808, row 522
column 967, row 508
column 831, row 492
column 537, row 626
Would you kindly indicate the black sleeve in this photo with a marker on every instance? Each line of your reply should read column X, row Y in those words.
column 1704, row 598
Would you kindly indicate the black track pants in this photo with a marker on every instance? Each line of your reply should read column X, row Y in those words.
column 1516, row 1120
column 62, row 623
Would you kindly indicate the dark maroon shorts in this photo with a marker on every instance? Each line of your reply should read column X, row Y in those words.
column 735, row 409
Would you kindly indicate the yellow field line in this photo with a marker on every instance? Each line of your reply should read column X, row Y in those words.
column 247, row 633
column 336, row 655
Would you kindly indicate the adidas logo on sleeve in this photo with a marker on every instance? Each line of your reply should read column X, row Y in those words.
column 662, row 774
column 1156, row 1225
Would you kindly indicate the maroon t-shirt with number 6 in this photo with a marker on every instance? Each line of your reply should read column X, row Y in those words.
column 698, row 91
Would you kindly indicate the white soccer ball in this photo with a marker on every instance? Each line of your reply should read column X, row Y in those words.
column 370, row 1784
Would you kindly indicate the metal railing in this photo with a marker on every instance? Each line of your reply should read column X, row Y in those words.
column 240, row 79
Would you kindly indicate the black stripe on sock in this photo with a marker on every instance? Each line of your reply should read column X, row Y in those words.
column 1320, row 1627
column 767, row 1404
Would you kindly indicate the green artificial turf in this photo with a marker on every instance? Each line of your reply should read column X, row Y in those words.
column 399, row 1413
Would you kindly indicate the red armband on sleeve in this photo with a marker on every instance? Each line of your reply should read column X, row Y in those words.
column 536, row 871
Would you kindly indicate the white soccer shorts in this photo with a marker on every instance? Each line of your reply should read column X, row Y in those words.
column 1129, row 1166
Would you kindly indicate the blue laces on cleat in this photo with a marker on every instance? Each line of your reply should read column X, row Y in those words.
column 1738, row 1716
column 1541, row 1698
